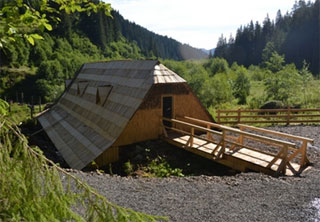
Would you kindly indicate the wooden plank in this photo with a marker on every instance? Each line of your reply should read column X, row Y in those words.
column 250, row 157
column 280, row 134
column 238, row 131
column 192, row 125
column 268, row 116
column 269, row 110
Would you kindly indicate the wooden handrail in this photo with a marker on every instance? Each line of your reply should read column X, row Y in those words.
column 265, row 116
column 192, row 125
column 277, row 133
column 269, row 110
column 230, row 129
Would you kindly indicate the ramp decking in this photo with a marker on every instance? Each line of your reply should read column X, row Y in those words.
column 246, row 148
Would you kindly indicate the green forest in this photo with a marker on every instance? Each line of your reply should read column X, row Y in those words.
column 295, row 35
column 44, row 43
column 262, row 63
column 41, row 70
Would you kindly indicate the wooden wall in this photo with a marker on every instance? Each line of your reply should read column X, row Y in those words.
column 108, row 156
column 145, row 124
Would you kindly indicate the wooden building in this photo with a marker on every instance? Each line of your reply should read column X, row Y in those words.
column 116, row 103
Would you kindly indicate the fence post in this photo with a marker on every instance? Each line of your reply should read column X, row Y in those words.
column 239, row 115
column 39, row 104
column 288, row 115
column 22, row 98
column 218, row 116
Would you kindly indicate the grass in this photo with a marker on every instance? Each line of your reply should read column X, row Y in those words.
column 22, row 112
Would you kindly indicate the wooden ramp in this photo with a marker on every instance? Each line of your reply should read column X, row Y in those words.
column 246, row 148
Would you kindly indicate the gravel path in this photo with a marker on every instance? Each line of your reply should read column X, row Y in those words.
column 243, row 197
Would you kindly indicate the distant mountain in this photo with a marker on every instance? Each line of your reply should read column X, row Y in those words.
column 189, row 52
column 158, row 45
column 207, row 51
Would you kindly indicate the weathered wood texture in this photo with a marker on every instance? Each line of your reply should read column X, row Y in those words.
column 110, row 155
column 286, row 116
column 145, row 124
column 230, row 147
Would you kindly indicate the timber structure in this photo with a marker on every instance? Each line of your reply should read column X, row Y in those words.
column 244, row 148
column 112, row 104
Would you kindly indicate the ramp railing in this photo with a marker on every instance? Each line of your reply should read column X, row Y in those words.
column 229, row 140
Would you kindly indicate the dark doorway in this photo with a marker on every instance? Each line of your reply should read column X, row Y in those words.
column 167, row 109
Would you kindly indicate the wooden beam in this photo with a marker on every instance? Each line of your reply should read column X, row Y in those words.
column 290, row 136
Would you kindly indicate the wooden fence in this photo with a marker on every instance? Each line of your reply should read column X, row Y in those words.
column 286, row 116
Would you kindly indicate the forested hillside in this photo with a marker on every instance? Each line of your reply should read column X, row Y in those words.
column 294, row 35
column 40, row 70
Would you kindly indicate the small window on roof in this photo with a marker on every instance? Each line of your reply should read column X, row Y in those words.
column 102, row 94
column 81, row 87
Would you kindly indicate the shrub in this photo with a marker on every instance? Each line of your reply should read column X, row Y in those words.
column 159, row 167
column 217, row 65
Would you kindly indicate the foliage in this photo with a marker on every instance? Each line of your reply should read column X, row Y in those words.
column 294, row 35
column 31, row 187
column 275, row 62
column 217, row 90
column 3, row 107
column 159, row 167
column 250, row 87
column 22, row 19
column 241, row 86
column 283, row 85
column 128, row 168
column 216, row 65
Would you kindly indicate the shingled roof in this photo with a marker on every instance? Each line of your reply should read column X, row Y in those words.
column 97, row 106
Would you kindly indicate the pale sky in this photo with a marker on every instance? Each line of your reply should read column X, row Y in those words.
column 198, row 23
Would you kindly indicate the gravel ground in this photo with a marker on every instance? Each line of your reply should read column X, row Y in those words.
column 241, row 197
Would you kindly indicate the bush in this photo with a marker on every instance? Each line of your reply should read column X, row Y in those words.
column 284, row 85
column 241, row 86
column 217, row 65
column 51, row 70
column 159, row 167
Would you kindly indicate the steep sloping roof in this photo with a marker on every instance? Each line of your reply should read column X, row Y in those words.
column 96, row 108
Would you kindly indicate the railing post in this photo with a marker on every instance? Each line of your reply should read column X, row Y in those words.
column 218, row 111
column 208, row 134
column 304, row 154
column 239, row 115
column 191, row 137
column 241, row 137
column 283, row 165
column 223, row 142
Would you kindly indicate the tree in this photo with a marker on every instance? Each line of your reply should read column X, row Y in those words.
column 241, row 86
column 26, row 19
column 284, row 84
column 217, row 65
column 275, row 62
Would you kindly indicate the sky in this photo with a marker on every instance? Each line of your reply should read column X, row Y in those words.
column 198, row 23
